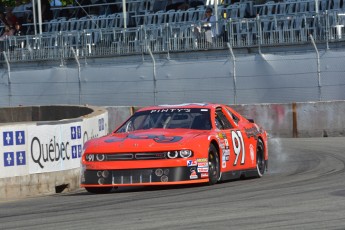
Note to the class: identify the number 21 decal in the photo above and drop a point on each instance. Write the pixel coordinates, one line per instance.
(238, 144)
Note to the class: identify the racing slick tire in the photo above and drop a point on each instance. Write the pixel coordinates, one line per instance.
(260, 159)
(98, 190)
(213, 165)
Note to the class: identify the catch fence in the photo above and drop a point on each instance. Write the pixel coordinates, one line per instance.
(268, 30)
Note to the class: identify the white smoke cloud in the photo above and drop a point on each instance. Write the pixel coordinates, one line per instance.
(276, 156)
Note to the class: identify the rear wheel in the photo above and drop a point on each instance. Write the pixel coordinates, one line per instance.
(213, 165)
(260, 159)
(98, 190)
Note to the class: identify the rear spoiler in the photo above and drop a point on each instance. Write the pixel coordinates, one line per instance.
(250, 120)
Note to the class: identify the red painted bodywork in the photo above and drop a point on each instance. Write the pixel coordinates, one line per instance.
(226, 141)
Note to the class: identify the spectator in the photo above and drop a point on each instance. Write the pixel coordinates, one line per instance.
(8, 32)
(20, 43)
(209, 25)
(18, 30)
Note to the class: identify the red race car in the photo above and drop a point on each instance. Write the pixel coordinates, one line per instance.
(175, 144)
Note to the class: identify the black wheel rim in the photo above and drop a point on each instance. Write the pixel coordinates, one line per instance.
(260, 159)
(213, 167)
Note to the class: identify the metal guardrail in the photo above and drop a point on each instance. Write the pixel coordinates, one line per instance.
(175, 37)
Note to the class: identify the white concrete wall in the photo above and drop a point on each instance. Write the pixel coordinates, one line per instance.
(38, 157)
(310, 119)
(185, 77)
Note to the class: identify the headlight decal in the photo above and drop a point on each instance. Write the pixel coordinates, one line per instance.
(186, 153)
(172, 154)
(100, 157)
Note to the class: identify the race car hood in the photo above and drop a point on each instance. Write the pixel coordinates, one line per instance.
(144, 140)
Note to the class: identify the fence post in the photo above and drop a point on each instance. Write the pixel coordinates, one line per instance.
(8, 79)
(259, 31)
(233, 71)
(79, 74)
(318, 66)
(327, 30)
(154, 75)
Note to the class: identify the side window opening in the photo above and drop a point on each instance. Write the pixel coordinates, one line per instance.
(233, 116)
(221, 121)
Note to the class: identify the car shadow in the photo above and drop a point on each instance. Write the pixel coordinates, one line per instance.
(135, 189)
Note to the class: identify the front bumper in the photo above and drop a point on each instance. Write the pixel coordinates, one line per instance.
(150, 176)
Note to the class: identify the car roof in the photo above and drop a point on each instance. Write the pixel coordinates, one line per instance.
(184, 105)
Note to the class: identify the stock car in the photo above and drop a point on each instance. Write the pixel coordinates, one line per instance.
(175, 144)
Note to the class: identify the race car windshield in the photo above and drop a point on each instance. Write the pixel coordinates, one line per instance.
(169, 118)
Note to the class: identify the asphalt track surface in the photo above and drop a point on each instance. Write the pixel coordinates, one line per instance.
(303, 189)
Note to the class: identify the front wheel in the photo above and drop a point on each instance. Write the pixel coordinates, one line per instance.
(260, 159)
(213, 165)
(98, 190)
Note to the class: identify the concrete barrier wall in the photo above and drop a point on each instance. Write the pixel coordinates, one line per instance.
(321, 119)
(277, 77)
(42, 113)
(313, 119)
(307, 119)
(43, 157)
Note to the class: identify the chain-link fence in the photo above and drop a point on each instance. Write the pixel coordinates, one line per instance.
(217, 76)
(268, 30)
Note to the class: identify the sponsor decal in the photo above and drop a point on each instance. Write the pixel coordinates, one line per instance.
(251, 150)
(193, 174)
(191, 163)
(226, 142)
(75, 132)
(101, 125)
(225, 157)
(156, 138)
(7, 138)
(199, 160)
(222, 135)
(203, 164)
(170, 110)
(20, 137)
(203, 175)
(80, 149)
(253, 132)
(15, 141)
(74, 152)
(21, 158)
(30, 149)
(226, 153)
(8, 159)
(202, 170)
(12, 159)
(49, 152)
